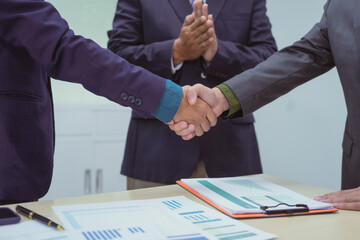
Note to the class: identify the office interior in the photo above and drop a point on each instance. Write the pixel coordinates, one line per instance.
(299, 134)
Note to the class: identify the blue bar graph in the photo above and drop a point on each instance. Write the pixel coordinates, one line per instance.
(197, 217)
(102, 234)
(172, 204)
(136, 230)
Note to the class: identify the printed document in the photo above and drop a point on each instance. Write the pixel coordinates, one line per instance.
(175, 218)
(240, 195)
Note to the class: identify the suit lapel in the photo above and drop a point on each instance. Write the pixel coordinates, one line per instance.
(182, 8)
(215, 7)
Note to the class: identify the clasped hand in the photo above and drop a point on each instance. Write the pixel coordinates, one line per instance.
(198, 111)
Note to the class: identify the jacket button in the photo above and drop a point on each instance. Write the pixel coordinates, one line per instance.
(131, 99)
(138, 102)
(203, 75)
(124, 96)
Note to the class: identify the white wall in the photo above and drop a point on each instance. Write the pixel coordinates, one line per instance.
(299, 134)
(91, 19)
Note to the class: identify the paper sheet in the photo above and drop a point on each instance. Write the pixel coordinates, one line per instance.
(176, 218)
(246, 194)
(31, 230)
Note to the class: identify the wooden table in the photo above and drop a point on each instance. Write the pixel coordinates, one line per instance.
(340, 225)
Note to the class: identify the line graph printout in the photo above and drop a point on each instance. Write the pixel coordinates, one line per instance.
(239, 195)
(173, 218)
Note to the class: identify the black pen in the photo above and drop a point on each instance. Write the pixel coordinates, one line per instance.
(32, 215)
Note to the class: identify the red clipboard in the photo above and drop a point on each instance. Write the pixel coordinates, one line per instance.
(252, 215)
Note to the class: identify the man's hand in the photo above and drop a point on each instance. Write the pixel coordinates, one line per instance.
(199, 113)
(213, 97)
(210, 52)
(195, 37)
(202, 10)
(345, 199)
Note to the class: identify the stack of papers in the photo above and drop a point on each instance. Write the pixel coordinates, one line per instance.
(245, 195)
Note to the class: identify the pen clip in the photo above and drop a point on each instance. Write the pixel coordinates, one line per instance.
(296, 208)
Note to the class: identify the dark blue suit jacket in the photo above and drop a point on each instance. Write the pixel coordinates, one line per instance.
(143, 33)
(35, 43)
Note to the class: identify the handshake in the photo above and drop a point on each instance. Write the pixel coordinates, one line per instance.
(200, 106)
(198, 111)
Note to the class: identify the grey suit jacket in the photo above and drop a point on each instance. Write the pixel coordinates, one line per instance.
(335, 41)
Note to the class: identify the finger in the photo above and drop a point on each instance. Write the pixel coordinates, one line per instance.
(205, 38)
(348, 206)
(183, 130)
(187, 131)
(171, 122)
(197, 5)
(189, 136)
(204, 110)
(351, 195)
(199, 23)
(206, 94)
(205, 10)
(198, 130)
(210, 17)
(211, 117)
(205, 125)
(202, 29)
(178, 127)
(354, 191)
(189, 19)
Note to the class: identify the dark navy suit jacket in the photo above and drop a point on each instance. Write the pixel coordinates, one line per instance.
(35, 43)
(143, 33)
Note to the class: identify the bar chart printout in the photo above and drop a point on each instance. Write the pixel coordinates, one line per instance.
(174, 218)
(247, 194)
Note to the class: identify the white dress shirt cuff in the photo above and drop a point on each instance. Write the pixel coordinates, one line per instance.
(175, 68)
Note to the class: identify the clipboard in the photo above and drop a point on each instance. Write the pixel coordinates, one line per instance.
(268, 211)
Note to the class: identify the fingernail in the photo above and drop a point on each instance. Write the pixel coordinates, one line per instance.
(182, 125)
(192, 100)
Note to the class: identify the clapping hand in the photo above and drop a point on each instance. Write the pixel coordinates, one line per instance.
(201, 10)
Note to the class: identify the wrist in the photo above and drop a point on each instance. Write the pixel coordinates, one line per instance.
(221, 99)
(176, 53)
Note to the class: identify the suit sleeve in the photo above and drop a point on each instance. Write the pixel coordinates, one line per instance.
(285, 70)
(37, 28)
(127, 40)
(233, 57)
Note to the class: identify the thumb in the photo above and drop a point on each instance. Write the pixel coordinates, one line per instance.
(191, 95)
(206, 94)
(189, 20)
